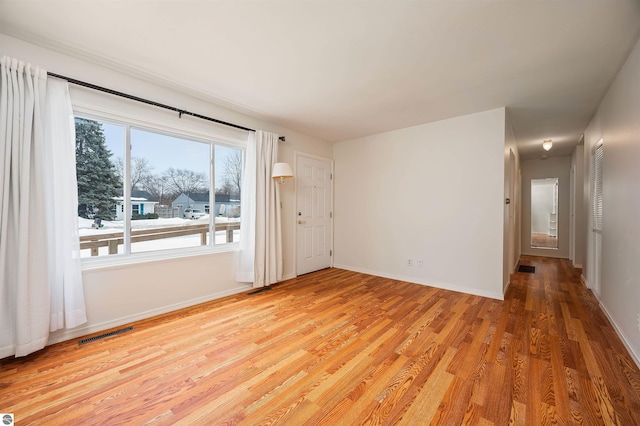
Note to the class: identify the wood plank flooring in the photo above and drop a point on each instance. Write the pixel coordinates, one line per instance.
(343, 348)
(543, 241)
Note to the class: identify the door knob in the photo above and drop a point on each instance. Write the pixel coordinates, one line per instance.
(301, 222)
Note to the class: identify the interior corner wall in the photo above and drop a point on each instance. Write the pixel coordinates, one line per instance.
(554, 167)
(116, 295)
(617, 123)
(511, 222)
(430, 194)
(579, 242)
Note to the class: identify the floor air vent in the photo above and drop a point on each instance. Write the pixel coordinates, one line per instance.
(527, 268)
(103, 336)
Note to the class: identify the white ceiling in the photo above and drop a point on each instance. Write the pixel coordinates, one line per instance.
(343, 69)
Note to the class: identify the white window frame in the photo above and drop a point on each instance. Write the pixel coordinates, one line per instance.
(200, 131)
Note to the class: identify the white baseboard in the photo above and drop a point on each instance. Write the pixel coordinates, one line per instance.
(62, 335)
(577, 265)
(634, 354)
(507, 287)
(414, 280)
(514, 268)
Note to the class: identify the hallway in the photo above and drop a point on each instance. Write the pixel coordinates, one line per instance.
(577, 367)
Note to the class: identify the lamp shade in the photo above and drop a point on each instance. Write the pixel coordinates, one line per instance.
(282, 171)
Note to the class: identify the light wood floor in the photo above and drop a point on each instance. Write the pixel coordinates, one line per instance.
(342, 348)
(543, 241)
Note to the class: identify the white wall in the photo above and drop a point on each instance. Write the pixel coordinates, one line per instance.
(511, 224)
(431, 193)
(554, 167)
(577, 165)
(617, 122)
(120, 294)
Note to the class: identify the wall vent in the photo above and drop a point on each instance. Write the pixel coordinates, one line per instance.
(105, 335)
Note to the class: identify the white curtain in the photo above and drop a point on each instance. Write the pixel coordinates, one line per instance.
(67, 291)
(260, 257)
(40, 281)
(246, 253)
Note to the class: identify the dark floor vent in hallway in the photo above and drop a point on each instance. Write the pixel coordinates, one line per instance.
(527, 268)
(102, 336)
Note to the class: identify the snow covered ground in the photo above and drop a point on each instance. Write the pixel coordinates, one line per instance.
(84, 228)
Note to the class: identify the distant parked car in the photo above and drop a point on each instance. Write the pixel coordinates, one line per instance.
(193, 214)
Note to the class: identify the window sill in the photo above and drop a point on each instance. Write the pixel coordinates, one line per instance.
(116, 261)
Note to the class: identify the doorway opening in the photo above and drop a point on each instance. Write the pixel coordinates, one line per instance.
(544, 213)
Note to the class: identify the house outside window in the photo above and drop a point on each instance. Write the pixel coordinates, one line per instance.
(160, 176)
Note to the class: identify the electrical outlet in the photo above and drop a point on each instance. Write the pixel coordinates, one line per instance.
(409, 262)
(420, 263)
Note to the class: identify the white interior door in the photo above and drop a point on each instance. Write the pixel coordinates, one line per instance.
(313, 214)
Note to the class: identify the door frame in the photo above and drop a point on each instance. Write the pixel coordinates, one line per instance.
(511, 226)
(572, 213)
(296, 156)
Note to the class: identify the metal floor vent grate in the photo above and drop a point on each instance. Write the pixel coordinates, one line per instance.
(527, 269)
(105, 335)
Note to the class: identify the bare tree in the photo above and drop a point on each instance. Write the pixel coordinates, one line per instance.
(187, 181)
(232, 173)
(141, 172)
(158, 187)
(225, 189)
(119, 166)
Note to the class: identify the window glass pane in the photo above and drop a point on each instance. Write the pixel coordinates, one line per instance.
(169, 181)
(171, 205)
(228, 182)
(98, 147)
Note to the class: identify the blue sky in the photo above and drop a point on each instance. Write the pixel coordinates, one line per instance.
(164, 151)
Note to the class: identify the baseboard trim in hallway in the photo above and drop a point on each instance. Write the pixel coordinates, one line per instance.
(634, 355)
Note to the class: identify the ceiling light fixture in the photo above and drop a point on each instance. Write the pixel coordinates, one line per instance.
(547, 144)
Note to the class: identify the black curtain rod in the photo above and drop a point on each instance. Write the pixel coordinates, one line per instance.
(180, 112)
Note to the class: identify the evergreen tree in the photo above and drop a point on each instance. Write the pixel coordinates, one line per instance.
(98, 180)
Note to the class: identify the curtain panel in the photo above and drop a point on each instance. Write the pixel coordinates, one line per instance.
(40, 278)
(260, 257)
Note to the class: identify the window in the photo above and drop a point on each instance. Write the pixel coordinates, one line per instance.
(164, 180)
